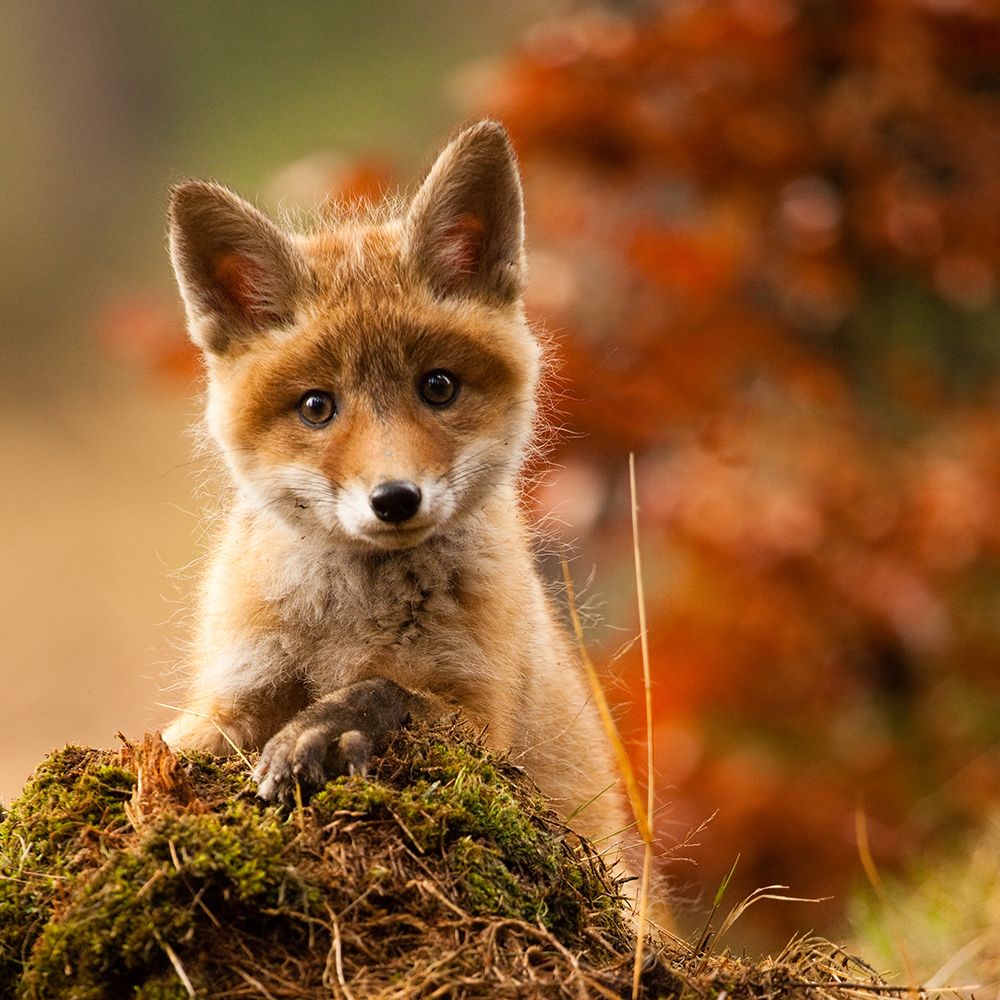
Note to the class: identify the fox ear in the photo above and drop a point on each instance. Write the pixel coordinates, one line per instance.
(238, 273)
(465, 226)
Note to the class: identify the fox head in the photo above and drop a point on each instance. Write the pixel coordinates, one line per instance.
(373, 380)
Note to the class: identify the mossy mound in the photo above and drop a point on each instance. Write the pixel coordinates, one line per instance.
(148, 875)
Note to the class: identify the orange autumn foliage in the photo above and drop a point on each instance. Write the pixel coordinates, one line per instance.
(768, 237)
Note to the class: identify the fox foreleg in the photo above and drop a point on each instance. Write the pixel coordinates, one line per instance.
(335, 735)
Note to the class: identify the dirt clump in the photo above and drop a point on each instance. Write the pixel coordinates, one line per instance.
(150, 875)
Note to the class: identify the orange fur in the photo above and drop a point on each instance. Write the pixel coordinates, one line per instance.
(307, 590)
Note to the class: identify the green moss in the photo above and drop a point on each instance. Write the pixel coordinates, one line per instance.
(72, 791)
(165, 987)
(71, 808)
(216, 777)
(459, 801)
(449, 792)
(487, 883)
(493, 824)
(183, 871)
(356, 796)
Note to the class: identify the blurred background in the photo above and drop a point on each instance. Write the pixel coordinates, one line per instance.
(765, 235)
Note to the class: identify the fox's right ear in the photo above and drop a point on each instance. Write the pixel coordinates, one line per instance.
(238, 273)
(465, 226)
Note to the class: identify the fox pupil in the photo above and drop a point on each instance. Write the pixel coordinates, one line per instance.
(438, 387)
(317, 408)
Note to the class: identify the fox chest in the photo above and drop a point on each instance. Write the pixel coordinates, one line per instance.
(412, 624)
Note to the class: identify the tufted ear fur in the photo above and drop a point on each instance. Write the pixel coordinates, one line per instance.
(238, 273)
(465, 226)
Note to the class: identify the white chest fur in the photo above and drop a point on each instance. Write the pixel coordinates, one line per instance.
(343, 616)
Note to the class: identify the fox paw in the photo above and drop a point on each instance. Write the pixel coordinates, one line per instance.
(335, 735)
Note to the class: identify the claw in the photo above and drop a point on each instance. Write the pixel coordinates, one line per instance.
(267, 790)
(354, 751)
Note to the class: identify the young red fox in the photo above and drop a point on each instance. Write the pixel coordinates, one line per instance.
(372, 388)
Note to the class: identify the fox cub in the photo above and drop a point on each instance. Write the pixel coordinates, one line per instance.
(371, 387)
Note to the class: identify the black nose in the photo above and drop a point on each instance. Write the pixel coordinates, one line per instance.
(395, 501)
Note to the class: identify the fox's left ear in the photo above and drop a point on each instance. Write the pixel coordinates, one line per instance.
(465, 226)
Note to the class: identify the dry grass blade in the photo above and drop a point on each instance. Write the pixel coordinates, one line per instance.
(198, 715)
(617, 746)
(337, 954)
(647, 829)
(875, 880)
(176, 963)
(256, 984)
(757, 896)
(703, 938)
(956, 961)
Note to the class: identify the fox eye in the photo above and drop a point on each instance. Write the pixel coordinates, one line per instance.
(316, 408)
(439, 388)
